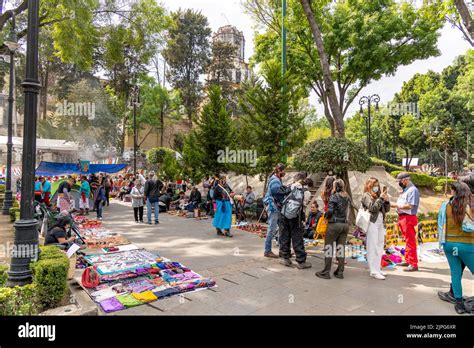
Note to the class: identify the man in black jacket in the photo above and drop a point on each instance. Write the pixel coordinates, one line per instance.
(152, 191)
(194, 199)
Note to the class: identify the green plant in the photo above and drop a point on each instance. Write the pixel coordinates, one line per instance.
(421, 216)
(418, 179)
(50, 276)
(438, 189)
(14, 212)
(432, 215)
(3, 275)
(389, 167)
(20, 300)
(441, 181)
(2, 188)
(391, 218)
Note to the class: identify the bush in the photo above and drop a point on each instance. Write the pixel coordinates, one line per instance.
(2, 188)
(20, 300)
(438, 189)
(14, 213)
(389, 167)
(3, 275)
(441, 181)
(419, 179)
(50, 276)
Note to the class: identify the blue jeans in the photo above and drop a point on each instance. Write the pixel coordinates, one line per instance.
(148, 210)
(273, 218)
(99, 209)
(457, 253)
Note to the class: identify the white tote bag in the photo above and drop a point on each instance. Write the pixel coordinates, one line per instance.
(363, 219)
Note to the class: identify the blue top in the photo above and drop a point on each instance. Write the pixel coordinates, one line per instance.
(47, 186)
(85, 187)
(38, 186)
(412, 197)
(275, 193)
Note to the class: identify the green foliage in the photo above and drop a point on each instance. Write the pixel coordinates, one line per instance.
(438, 189)
(14, 213)
(50, 276)
(441, 181)
(169, 167)
(332, 154)
(388, 166)
(2, 188)
(3, 274)
(419, 179)
(20, 300)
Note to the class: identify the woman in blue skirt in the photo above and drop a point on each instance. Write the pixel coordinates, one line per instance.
(223, 215)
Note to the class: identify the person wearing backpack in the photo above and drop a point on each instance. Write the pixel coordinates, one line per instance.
(273, 199)
(338, 228)
(456, 236)
(292, 217)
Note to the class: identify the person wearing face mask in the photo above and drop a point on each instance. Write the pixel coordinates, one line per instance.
(378, 204)
(407, 207)
(274, 196)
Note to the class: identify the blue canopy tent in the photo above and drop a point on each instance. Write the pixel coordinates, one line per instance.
(59, 169)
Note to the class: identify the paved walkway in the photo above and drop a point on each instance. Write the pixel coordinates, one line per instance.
(251, 284)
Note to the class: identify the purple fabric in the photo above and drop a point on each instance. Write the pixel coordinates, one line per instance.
(111, 305)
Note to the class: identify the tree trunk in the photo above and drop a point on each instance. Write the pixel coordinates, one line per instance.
(465, 16)
(345, 177)
(330, 91)
(162, 121)
(45, 92)
(446, 171)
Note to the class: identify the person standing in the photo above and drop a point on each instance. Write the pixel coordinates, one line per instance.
(378, 204)
(152, 191)
(338, 228)
(458, 244)
(407, 208)
(274, 196)
(223, 216)
(108, 185)
(327, 191)
(85, 193)
(64, 198)
(292, 227)
(137, 201)
(99, 200)
(46, 191)
(38, 190)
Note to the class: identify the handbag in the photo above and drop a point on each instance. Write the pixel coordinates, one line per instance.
(467, 223)
(363, 219)
(322, 226)
(90, 277)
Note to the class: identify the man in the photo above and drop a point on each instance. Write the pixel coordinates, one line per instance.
(274, 196)
(194, 199)
(46, 191)
(249, 197)
(152, 191)
(85, 193)
(407, 207)
(312, 221)
(108, 187)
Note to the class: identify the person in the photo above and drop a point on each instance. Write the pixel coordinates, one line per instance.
(377, 203)
(38, 190)
(137, 201)
(338, 228)
(291, 228)
(125, 189)
(180, 201)
(99, 199)
(108, 186)
(46, 184)
(64, 198)
(249, 197)
(151, 192)
(312, 220)
(327, 191)
(407, 208)
(223, 215)
(164, 202)
(458, 245)
(274, 196)
(58, 233)
(194, 199)
(85, 193)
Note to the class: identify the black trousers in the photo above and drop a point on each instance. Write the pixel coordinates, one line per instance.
(107, 192)
(337, 232)
(291, 232)
(138, 211)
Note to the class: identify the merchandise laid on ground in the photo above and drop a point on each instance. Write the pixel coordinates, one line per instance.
(129, 276)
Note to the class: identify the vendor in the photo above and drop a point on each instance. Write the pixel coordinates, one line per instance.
(58, 233)
(194, 199)
(180, 202)
(312, 221)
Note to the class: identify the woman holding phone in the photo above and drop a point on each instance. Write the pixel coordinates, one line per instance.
(378, 204)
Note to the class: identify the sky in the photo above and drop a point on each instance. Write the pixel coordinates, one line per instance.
(223, 12)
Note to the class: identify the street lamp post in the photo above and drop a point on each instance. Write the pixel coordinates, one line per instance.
(12, 44)
(374, 98)
(135, 102)
(26, 229)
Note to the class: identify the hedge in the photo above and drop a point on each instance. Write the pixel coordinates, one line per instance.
(441, 181)
(389, 167)
(2, 188)
(14, 214)
(419, 179)
(50, 276)
(3, 275)
(20, 300)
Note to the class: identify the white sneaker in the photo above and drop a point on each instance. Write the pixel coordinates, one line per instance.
(377, 276)
(383, 273)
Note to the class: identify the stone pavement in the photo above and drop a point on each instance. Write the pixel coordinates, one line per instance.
(248, 283)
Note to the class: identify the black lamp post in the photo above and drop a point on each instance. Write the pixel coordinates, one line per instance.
(369, 100)
(134, 103)
(12, 44)
(26, 229)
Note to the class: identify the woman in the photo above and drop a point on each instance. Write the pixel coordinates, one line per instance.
(378, 204)
(327, 191)
(58, 233)
(458, 245)
(223, 215)
(137, 201)
(338, 228)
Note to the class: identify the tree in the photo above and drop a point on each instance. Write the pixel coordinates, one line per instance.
(169, 168)
(272, 110)
(411, 137)
(458, 15)
(214, 132)
(350, 44)
(187, 54)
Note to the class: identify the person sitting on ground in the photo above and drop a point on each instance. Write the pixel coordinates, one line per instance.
(180, 201)
(312, 220)
(125, 190)
(194, 199)
(249, 197)
(58, 233)
(164, 202)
